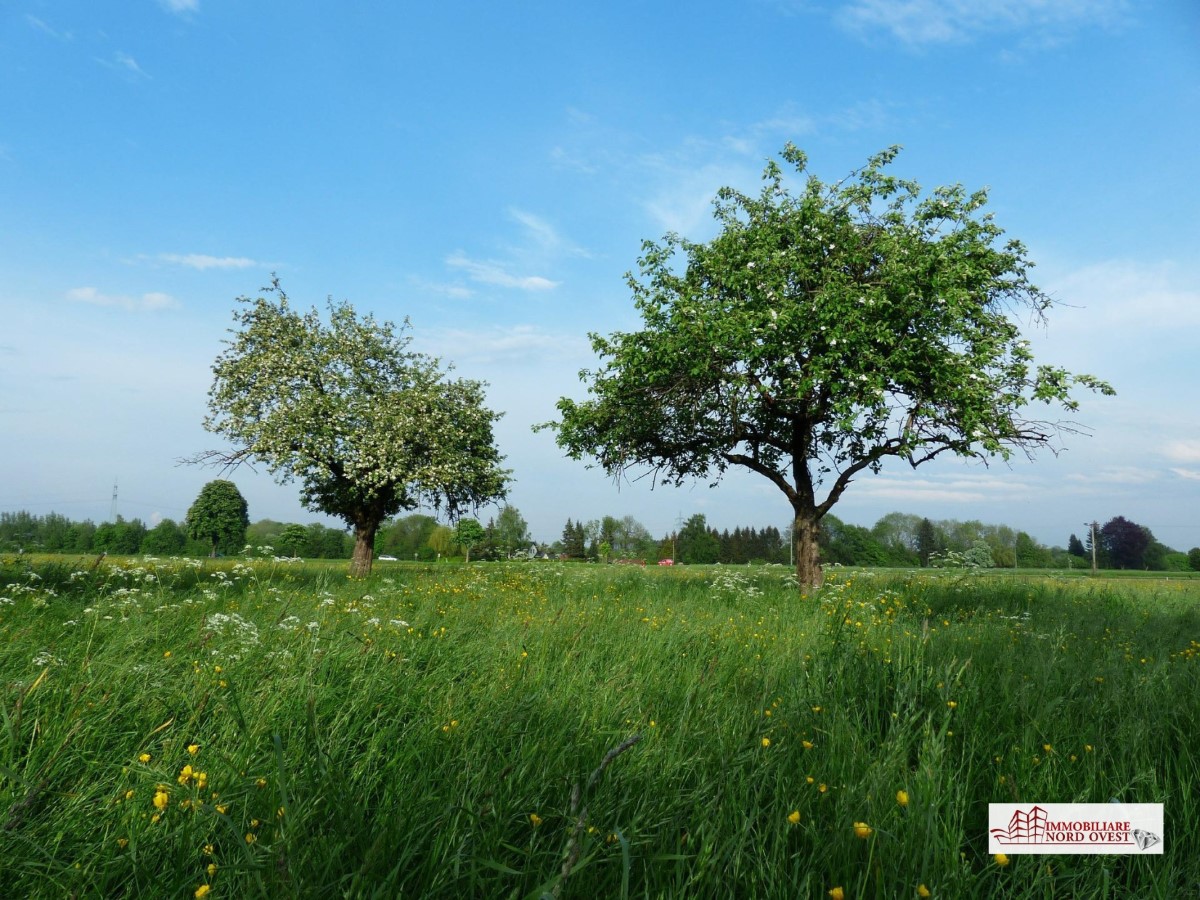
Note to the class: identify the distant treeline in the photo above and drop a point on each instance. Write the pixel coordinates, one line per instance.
(897, 539)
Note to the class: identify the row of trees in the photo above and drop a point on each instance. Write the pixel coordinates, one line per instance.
(897, 539)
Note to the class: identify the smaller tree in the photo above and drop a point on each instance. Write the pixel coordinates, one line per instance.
(293, 540)
(512, 531)
(164, 539)
(219, 517)
(1075, 547)
(366, 425)
(468, 533)
(1193, 557)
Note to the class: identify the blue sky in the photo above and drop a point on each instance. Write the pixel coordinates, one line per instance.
(490, 170)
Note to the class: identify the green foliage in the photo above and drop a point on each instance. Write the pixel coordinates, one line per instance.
(292, 541)
(219, 517)
(167, 538)
(121, 537)
(367, 426)
(820, 333)
(696, 544)
(468, 533)
(511, 532)
(1193, 556)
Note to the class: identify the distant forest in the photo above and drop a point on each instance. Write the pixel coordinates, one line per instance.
(897, 539)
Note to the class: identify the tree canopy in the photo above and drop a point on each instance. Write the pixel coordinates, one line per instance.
(219, 517)
(820, 333)
(366, 425)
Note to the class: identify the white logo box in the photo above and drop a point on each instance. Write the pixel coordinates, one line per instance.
(1134, 828)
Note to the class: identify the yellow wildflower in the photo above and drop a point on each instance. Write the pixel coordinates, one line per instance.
(144, 758)
(794, 817)
(1001, 859)
(535, 819)
(193, 749)
(211, 869)
(185, 775)
(251, 837)
(766, 742)
(862, 830)
(807, 745)
(953, 704)
(902, 798)
(837, 893)
(161, 799)
(202, 891)
(923, 891)
(122, 843)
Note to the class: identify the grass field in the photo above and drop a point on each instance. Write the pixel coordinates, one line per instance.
(264, 729)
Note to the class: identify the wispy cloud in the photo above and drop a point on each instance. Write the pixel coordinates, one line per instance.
(202, 261)
(1129, 475)
(1189, 474)
(149, 302)
(511, 343)
(180, 7)
(961, 489)
(930, 22)
(548, 240)
(495, 273)
(1183, 451)
(123, 62)
(35, 22)
(453, 291)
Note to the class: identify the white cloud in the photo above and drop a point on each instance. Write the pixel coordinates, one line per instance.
(41, 26)
(453, 291)
(1190, 474)
(960, 489)
(1115, 475)
(180, 7)
(149, 302)
(1131, 294)
(490, 272)
(203, 261)
(1183, 451)
(127, 63)
(922, 22)
(546, 236)
(504, 343)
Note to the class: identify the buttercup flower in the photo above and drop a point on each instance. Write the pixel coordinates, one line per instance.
(161, 799)
(923, 891)
(535, 819)
(837, 893)
(1001, 859)
(794, 817)
(862, 830)
(902, 798)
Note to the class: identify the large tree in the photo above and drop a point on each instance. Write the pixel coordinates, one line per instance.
(818, 334)
(1125, 543)
(219, 517)
(366, 425)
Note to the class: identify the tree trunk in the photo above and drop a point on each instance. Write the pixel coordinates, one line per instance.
(808, 552)
(364, 548)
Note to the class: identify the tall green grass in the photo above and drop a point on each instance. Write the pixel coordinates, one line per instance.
(527, 730)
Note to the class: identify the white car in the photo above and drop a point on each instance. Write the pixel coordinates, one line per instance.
(387, 559)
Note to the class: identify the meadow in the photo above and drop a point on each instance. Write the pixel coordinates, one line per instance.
(263, 728)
